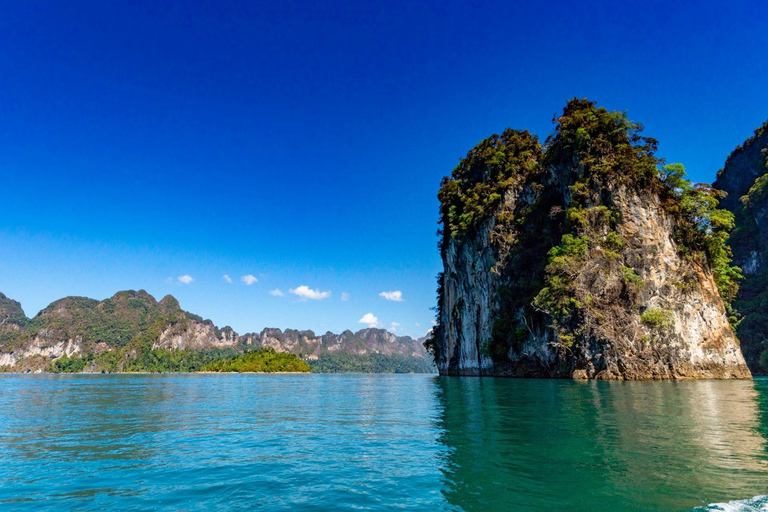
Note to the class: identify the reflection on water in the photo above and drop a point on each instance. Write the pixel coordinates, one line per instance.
(563, 445)
(379, 442)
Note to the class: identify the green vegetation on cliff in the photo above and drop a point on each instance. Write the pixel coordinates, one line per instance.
(478, 184)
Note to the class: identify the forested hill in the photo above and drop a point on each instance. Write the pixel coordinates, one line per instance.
(132, 331)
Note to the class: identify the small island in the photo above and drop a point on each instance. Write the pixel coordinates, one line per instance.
(264, 360)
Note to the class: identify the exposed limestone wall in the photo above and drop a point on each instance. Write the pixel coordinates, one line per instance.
(40, 350)
(699, 343)
(195, 336)
(470, 304)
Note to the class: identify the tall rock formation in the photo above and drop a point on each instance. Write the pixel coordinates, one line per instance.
(582, 259)
(745, 179)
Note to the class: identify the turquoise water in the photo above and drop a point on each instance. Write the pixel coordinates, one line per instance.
(379, 442)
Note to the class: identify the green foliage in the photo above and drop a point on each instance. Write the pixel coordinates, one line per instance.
(565, 257)
(757, 193)
(115, 321)
(479, 182)
(750, 308)
(67, 364)
(342, 362)
(629, 277)
(613, 243)
(701, 227)
(657, 318)
(584, 218)
(264, 360)
(602, 144)
(9, 339)
(170, 361)
(565, 260)
(674, 178)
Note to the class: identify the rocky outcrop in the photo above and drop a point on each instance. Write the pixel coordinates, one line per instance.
(470, 295)
(195, 335)
(745, 179)
(577, 260)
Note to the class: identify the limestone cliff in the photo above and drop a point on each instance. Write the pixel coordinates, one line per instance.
(581, 258)
(745, 179)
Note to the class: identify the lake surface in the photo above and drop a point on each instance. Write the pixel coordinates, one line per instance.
(379, 442)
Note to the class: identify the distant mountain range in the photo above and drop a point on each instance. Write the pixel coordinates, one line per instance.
(131, 331)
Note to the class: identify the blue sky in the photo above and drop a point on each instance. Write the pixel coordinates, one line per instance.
(302, 143)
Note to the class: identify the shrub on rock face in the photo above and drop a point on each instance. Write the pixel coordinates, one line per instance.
(657, 318)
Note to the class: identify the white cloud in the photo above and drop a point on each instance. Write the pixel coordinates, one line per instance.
(226, 278)
(396, 295)
(344, 296)
(186, 279)
(393, 326)
(276, 292)
(305, 292)
(370, 320)
(417, 324)
(249, 279)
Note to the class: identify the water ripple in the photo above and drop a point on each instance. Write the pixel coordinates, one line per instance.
(379, 442)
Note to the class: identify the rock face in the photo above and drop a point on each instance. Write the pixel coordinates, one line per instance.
(576, 260)
(745, 179)
(113, 333)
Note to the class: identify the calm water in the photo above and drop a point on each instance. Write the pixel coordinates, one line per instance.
(379, 442)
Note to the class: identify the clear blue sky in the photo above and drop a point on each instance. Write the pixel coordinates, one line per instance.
(303, 142)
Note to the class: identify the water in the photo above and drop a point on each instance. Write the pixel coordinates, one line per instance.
(379, 442)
